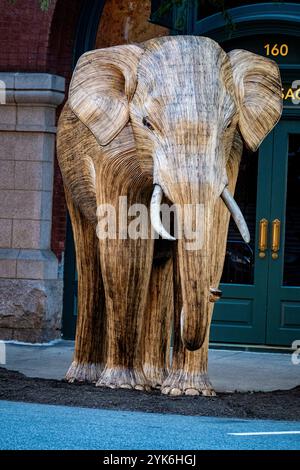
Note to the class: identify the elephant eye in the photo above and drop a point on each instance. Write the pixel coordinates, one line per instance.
(228, 124)
(148, 124)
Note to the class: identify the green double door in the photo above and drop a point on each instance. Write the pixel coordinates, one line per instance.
(261, 281)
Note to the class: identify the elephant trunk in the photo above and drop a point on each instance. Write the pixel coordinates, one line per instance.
(195, 285)
(195, 259)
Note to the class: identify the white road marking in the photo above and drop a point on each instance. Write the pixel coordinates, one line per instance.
(271, 433)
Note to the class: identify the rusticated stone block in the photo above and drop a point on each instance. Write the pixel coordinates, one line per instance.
(28, 335)
(30, 234)
(7, 174)
(8, 262)
(5, 233)
(33, 175)
(37, 264)
(30, 310)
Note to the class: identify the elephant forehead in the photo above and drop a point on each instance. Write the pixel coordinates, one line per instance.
(177, 61)
(198, 81)
(178, 78)
(184, 47)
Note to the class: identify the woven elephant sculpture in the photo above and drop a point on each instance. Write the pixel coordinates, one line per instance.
(162, 122)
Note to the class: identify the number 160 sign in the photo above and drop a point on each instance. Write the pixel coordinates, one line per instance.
(275, 50)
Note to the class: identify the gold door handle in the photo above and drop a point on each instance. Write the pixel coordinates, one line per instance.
(275, 238)
(263, 237)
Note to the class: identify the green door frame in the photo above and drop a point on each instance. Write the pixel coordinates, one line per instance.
(250, 20)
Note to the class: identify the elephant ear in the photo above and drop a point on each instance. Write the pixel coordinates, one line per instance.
(102, 83)
(258, 89)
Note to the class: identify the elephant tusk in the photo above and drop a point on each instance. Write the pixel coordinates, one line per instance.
(155, 213)
(236, 214)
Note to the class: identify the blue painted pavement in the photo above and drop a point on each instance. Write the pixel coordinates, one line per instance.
(32, 426)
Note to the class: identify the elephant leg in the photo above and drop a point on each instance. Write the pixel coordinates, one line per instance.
(158, 316)
(90, 340)
(188, 373)
(126, 268)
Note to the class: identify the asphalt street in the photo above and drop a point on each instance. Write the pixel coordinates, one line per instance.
(46, 427)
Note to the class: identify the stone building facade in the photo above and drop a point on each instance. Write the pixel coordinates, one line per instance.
(36, 61)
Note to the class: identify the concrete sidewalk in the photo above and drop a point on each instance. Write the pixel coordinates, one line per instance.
(228, 370)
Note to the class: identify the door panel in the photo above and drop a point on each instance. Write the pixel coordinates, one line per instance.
(283, 313)
(291, 270)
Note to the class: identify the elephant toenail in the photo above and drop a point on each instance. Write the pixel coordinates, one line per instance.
(191, 392)
(175, 392)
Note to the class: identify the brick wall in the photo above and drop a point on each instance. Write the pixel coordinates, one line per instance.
(37, 41)
(24, 34)
(59, 61)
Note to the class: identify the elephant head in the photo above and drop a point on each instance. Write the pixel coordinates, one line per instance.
(187, 102)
